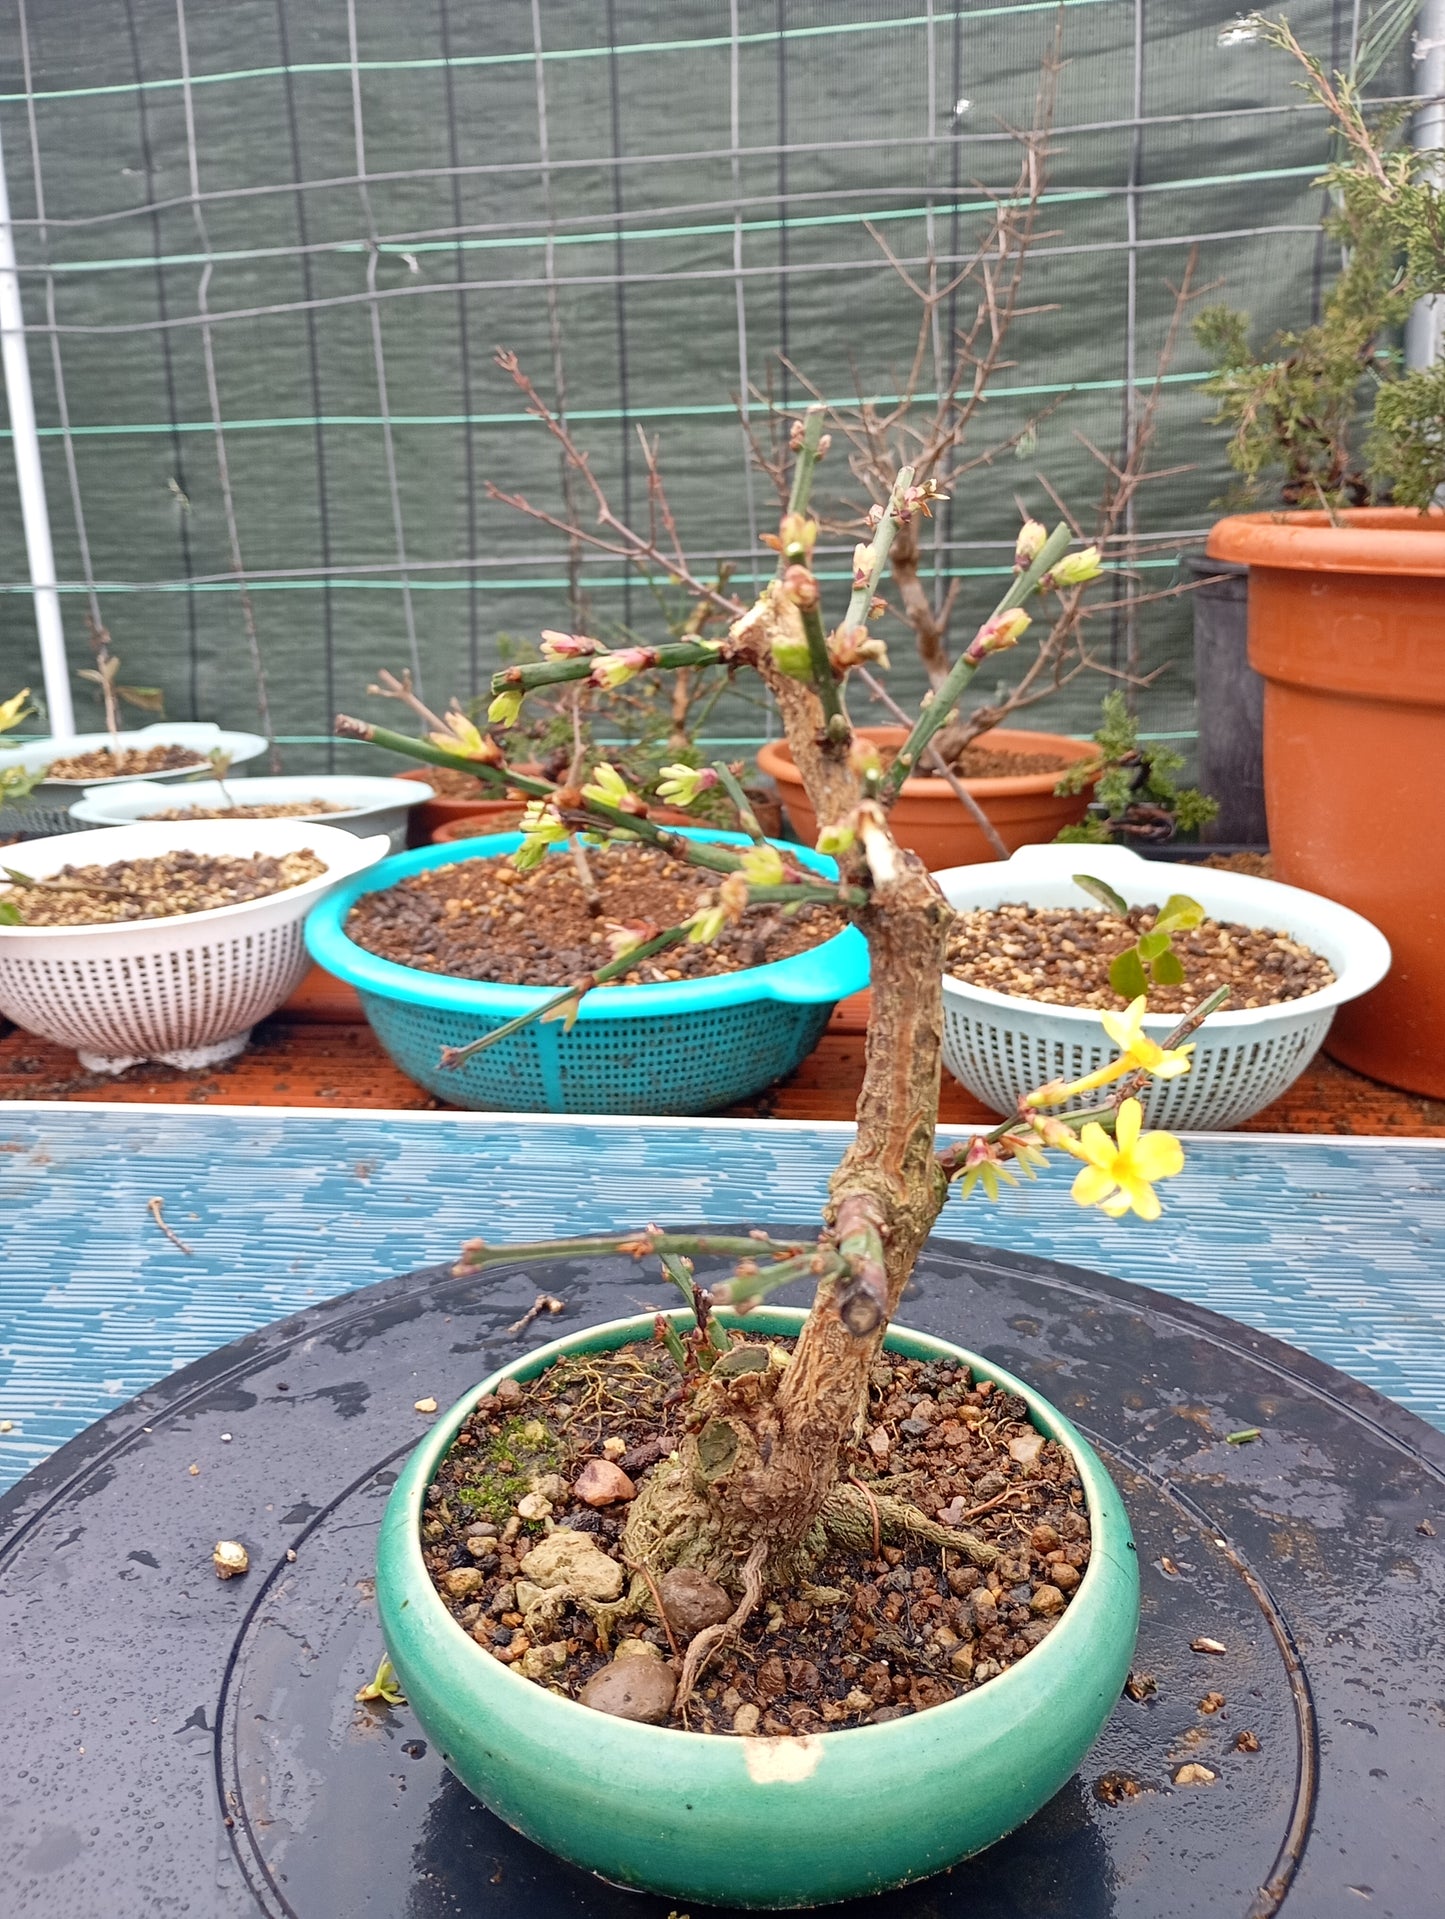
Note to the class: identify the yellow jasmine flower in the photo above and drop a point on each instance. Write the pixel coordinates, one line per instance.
(1138, 1054)
(1126, 1029)
(1120, 1174)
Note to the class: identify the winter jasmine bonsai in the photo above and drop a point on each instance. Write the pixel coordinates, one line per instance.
(753, 1497)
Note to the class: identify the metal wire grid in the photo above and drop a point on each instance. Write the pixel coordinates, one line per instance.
(855, 114)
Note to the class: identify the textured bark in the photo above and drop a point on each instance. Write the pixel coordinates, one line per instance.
(831, 784)
(767, 1460)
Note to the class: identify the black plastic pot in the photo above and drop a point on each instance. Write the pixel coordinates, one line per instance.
(1230, 698)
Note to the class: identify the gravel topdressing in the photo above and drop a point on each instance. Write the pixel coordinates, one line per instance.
(103, 764)
(1061, 955)
(541, 1477)
(278, 810)
(480, 919)
(164, 887)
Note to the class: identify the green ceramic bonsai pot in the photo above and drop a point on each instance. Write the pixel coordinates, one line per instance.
(761, 1822)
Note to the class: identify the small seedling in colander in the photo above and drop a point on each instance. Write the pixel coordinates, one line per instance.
(1151, 959)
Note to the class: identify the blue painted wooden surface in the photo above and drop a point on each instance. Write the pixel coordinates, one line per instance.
(1336, 1245)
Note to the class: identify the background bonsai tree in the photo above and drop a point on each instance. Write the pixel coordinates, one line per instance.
(1136, 797)
(1329, 412)
(754, 1496)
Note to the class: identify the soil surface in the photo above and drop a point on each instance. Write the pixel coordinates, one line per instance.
(983, 763)
(879, 1635)
(988, 763)
(290, 810)
(1062, 954)
(481, 919)
(161, 888)
(103, 764)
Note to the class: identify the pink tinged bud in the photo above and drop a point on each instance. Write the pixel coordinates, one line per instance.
(567, 646)
(625, 937)
(862, 564)
(998, 634)
(800, 587)
(616, 669)
(732, 895)
(874, 515)
(1030, 543)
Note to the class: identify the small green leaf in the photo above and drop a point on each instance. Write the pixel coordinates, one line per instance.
(1151, 945)
(1179, 914)
(1243, 1436)
(10, 914)
(1168, 969)
(1101, 891)
(1126, 975)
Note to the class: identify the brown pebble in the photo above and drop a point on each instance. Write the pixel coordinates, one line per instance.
(463, 1581)
(1211, 1702)
(1046, 1600)
(1246, 1742)
(601, 1483)
(1044, 1539)
(638, 1689)
(509, 1389)
(692, 1601)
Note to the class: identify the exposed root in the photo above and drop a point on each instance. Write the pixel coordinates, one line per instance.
(850, 1513)
(703, 1645)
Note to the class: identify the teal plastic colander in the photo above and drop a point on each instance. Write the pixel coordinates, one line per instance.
(683, 1046)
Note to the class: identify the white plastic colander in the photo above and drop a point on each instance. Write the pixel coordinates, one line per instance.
(185, 990)
(1001, 1047)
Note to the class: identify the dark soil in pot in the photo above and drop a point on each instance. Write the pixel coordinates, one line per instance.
(542, 1476)
(1061, 955)
(104, 764)
(481, 919)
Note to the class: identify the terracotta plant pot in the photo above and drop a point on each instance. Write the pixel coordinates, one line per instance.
(929, 816)
(761, 1822)
(502, 816)
(1347, 626)
(442, 811)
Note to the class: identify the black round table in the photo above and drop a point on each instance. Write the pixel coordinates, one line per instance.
(176, 1744)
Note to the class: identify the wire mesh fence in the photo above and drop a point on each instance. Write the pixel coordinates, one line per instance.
(267, 251)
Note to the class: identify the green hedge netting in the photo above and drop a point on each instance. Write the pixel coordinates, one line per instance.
(833, 129)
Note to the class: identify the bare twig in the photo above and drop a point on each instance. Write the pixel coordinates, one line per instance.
(155, 1207)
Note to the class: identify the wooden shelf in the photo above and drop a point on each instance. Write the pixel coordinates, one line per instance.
(318, 1051)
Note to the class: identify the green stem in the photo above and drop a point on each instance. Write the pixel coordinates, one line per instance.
(555, 672)
(878, 551)
(938, 709)
(824, 682)
(499, 777)
(746, 1289)
(732, 786)
(806, 466)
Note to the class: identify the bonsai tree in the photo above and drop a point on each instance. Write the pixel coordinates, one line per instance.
(754, 1496)
(1328, 410)
(1136, 797)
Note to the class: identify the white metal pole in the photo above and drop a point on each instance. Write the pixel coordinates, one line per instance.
(31, 479)
(1425, 329)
